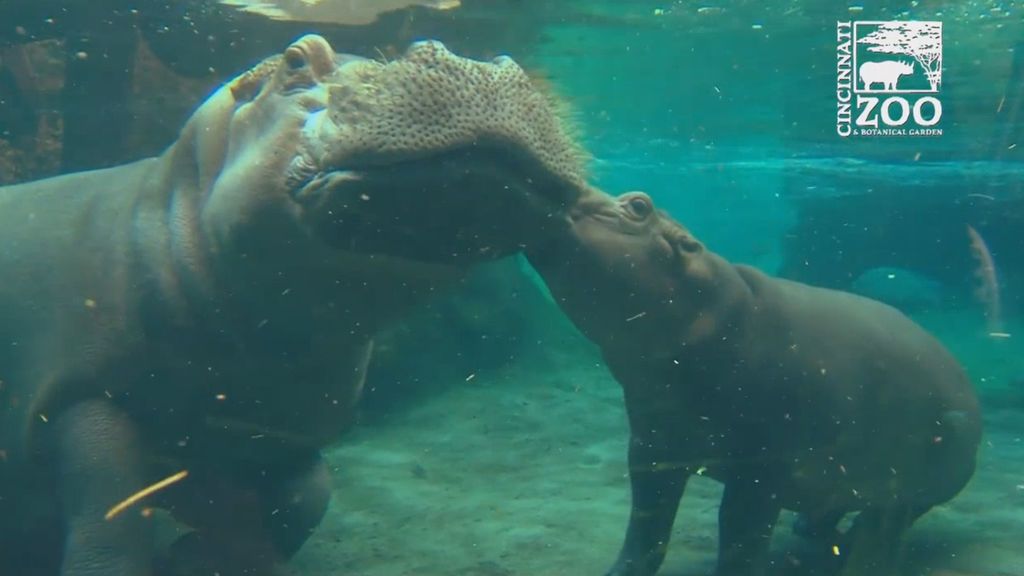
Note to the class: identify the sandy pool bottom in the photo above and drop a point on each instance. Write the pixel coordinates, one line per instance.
(520, 473)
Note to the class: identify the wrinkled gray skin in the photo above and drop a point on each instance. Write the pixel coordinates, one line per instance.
(794, 397)
(213, 309)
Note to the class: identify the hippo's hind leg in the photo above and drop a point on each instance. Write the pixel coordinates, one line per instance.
(99, 463)
(819, 535)
(818, 526)
(875, 541)
(746, 519)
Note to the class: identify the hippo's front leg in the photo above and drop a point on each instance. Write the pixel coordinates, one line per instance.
(100, 464)
(249, 522)
(295, 504)
(746, 518)
(657, 479)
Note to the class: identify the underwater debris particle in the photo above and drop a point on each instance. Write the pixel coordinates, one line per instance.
(636, 316)
(43, 418)
(470, 377)
(89, 303)
(835, 550)
(134, 498)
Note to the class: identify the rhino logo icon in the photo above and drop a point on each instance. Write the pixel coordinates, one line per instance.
(887, 72)
(917, 47)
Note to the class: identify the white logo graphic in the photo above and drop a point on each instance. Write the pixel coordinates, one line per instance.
(888, 73)
(876, 60)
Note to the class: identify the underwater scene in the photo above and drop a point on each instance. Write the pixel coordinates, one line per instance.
(511, 288)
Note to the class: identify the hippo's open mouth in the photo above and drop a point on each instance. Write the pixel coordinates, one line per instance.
(466, 204)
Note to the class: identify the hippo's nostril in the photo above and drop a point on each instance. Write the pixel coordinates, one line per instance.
(294, 57)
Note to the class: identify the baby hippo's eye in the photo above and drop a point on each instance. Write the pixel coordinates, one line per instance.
(640, 206)
(294, 58)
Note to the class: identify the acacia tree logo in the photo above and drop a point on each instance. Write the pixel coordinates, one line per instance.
(921, 41)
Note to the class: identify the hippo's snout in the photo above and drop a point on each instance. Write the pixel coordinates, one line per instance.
(382, 156)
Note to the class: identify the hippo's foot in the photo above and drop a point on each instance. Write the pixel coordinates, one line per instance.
(645, 565)
(248, 523)
(198, 553)
(875, 541)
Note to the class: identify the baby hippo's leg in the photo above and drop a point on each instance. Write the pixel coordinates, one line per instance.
(746, 518)
(658, 480)
(876, 539)
(821, 539)
(820, 526)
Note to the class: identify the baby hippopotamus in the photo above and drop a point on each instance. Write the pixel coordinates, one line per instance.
(796, 397)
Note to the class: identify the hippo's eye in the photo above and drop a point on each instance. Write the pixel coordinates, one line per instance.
(294, 58)
(640, 206)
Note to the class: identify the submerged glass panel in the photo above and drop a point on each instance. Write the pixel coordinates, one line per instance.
(495, 287)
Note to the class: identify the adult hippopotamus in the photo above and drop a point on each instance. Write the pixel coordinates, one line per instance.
(792, 396)
(210, 311)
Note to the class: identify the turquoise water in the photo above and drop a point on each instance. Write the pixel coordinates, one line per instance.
(492, 438)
